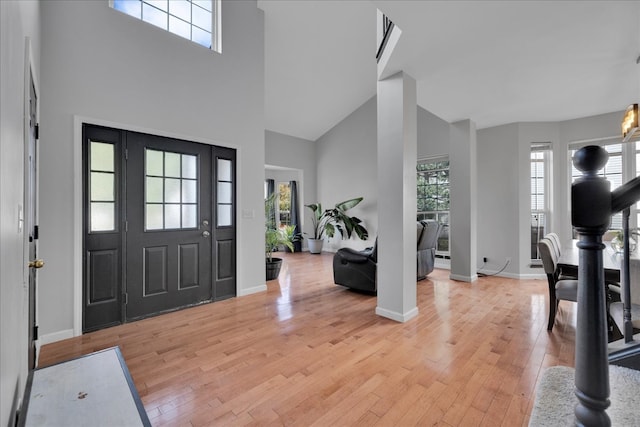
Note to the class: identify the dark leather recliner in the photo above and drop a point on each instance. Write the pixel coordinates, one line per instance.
(427, 247)
(357, 269)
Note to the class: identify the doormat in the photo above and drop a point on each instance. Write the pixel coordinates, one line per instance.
(555, 399)
(95, 390)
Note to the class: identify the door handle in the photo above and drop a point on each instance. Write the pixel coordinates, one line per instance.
(205, 233)
(38, 263)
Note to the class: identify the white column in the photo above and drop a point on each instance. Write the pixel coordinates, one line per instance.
(397, 157)
(464, 204)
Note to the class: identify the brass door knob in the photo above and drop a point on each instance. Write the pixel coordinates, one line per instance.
(36, 264)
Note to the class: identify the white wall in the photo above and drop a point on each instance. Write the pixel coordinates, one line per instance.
(102, 64)
(298, 157)
(18, 19)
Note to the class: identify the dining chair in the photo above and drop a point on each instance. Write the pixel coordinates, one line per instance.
(559, 289)
(565, 273)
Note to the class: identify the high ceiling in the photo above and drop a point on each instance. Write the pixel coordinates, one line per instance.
(493, 62)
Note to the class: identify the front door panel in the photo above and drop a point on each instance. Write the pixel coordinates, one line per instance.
(169, 216)
(159, 225)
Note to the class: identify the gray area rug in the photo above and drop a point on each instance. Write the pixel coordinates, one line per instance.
(555, 399)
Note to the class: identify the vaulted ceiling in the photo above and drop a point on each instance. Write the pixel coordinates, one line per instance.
(494, 62)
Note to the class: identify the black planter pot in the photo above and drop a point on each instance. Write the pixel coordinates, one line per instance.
(273, 268)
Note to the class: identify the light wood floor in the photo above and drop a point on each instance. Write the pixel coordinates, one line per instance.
(308, 352)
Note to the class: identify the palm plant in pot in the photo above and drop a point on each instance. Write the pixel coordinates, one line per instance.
(273, 239)
(326, 223)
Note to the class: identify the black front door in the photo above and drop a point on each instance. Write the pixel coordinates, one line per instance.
(175, 203)
(169, 224)
(31, 221)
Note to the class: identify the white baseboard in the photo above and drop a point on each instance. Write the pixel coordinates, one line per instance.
(461, 278)
(253, 290)
(55, 336)
(398, 317)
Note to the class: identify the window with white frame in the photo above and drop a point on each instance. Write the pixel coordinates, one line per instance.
(195, 20)
(621, 166)
(433, 197)
(540, 197)
(284, 204)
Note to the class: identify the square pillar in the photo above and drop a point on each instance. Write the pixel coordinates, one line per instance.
(397, 158)
(464, 204)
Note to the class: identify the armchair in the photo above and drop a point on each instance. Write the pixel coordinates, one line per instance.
(427, 242)
(357, 269)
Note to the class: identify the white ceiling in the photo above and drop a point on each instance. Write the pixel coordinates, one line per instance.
(494, 62)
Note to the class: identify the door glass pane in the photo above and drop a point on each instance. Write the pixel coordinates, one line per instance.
(155, 160)
(189, 217)
(188, 191)
(171, 190)
(154, 190)
(102, 187)
(101, 157)
(224, 170)
(172, 164)
(102, 216)
(154, 217)
(172, 216)
(188, 166)
(224, 192)
(224, 215)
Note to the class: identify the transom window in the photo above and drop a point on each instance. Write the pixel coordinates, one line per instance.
(195, 20)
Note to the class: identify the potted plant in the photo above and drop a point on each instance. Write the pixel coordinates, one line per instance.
(326, 223)
(273, 239)
(292, 235)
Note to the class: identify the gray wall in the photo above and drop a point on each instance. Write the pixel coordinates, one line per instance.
(347, 162)
(498, 197)
(288, 157)
(18, 19)
(347, 168)
(504, 187)
(346, 153)
(100, 64)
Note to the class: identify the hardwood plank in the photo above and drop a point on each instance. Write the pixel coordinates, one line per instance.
(309, 352)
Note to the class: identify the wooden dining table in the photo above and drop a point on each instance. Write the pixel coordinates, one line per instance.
(611, 260)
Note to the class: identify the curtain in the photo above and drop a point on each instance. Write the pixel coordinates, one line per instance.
(295, 214)
(270, 211)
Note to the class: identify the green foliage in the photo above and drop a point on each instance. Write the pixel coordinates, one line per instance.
(274, 237)
(331, 221)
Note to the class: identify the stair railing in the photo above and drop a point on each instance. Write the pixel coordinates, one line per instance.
(592, 204)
